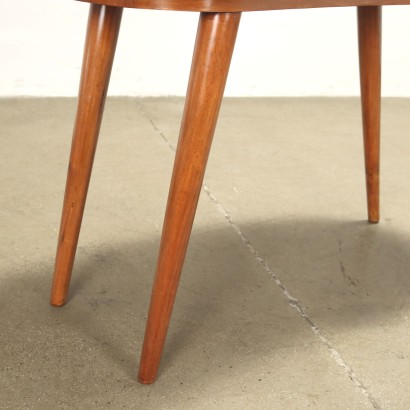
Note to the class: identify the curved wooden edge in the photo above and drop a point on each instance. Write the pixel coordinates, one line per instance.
(241, 5)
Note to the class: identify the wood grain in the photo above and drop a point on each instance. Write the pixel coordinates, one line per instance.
(102, 33)
(369, 34)
(241, 5)
(217, 30)
(213, 51)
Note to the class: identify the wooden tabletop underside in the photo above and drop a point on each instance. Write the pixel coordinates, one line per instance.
(241, 5)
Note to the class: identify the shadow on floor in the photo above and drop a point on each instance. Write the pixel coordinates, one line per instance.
(349, 274)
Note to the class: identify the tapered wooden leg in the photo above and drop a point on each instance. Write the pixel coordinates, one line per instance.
(369, 29)
(213, 50)
(102, 33)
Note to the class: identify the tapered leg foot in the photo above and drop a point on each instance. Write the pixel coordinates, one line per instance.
(369, 30)
(102, 33)
(213, 50)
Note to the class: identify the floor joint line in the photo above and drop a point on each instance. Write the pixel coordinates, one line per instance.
(293, 302)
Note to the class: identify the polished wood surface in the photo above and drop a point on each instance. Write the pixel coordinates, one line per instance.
(241, 5)
(219, 21)
(102, 33)
(369, 33)
(213, 51)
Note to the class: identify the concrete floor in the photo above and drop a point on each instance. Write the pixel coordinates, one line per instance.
(288, 299)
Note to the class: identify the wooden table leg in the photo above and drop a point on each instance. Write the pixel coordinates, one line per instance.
(369, 29)
(102, 33)
(213, 50)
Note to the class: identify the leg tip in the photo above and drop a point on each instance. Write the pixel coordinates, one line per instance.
(146, 377)
(57, 302)
(146, 380)
(373, 218)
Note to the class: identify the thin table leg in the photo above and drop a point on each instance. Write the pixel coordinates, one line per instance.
(369, 30)
(213, 50)
(102, 34)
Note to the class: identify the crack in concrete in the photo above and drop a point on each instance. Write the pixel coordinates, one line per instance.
(343, 267)
(154, 126)
(294, 302)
